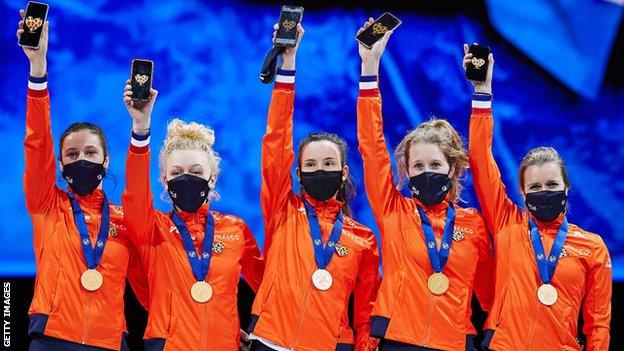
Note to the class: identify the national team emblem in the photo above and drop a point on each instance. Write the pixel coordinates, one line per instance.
(563, 253)
(342, 250)
(218, 247)
(458, 235)
(112, 232)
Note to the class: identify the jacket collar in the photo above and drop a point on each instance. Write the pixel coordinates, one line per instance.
(327, 209)
(91, 201)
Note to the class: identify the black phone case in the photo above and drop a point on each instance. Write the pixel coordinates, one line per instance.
(369, 36)
(477, 68)
(287, 31)
(141, 79)
(34, 19)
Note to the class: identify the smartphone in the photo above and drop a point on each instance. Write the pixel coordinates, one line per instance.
(141, 79)
(36, 15)
(287, 34)
(477, 68)
(369, 36)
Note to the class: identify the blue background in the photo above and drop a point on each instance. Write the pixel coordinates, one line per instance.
(207, 58)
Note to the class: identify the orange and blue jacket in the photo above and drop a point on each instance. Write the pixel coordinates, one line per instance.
(289, 311)
(405, 310)
(175, 320)
(518, 321)
(61, 308)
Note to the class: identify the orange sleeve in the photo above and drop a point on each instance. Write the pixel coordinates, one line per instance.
(497, 208)
(137, 200)
(364, 295)
(597, 301)
(252, 262)
(485, 275)
(40, 173)
(277, 152)
(378, 179)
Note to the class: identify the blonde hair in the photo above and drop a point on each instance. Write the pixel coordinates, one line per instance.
(190, 136)
(442, 134)
(539, 156)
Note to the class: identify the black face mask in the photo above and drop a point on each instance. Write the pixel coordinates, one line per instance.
(430, 188)
(546, 205)
(321, 185)
(83, 176)
(188, 192)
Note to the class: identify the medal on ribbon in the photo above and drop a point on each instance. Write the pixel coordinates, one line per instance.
(546, 293)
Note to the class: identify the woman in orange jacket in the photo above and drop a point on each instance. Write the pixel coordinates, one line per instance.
(435, 253)
(81, 248)
(548, 270)
(317, 255)
(193, 255)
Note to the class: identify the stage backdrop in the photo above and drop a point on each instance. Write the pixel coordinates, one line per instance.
(207, 57)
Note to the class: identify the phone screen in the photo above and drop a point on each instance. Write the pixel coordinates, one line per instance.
(369, 36)
(287, 31)
(478, 66)
(34, 19)
(141, 79)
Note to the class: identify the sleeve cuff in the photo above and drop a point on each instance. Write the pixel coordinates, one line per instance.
(285, 79)
(481, 101)
(38, 83)
(369, 86)
(139, 143)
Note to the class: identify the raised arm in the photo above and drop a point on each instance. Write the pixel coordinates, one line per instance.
(252, 262)
(497, 208)
(597, 300)
(40, 173)
(364, 295)
(378, 179)
(137, 197)
(277, 145)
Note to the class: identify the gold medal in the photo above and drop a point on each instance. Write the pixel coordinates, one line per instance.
(547, 294)
(91, 280)
(438, 283)
(201, 292)
(322, 279)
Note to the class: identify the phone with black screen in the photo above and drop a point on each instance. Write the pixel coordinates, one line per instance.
(373, 33)
(477, 68)
(141, 77)
(35, 17)
(287, 34)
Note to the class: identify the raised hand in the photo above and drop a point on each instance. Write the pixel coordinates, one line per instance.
(37, 57)
(480, 87)
(371, 57)
(288, 56)
(140, 111)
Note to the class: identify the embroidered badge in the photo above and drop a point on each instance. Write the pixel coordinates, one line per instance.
(342, 250)
(218, 247)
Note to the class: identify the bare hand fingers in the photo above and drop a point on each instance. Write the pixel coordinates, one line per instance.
(465, 49)
(22, 13)
(275, 26)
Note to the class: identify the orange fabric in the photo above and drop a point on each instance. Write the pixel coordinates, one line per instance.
(74, 314)
(582, 277)
(416, 316)
(292, 312)
(173, 314)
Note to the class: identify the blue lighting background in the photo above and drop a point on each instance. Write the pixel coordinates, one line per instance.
(207, 58)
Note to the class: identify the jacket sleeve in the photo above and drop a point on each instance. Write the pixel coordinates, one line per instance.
(378, 178)
(40, 173)
(597, 300)
(277, 152)
(137, 277)
(497, 208)
(485, 274)
(137, 200)
(364, 295)
(252, 262)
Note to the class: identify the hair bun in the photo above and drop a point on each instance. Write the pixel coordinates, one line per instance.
(178, 129)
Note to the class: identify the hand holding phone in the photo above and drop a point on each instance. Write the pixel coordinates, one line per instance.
(376, 30)
(290, 17)
(141, 76)
(477, 67)
(32, 24)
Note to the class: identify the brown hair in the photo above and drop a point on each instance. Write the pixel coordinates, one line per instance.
(441, 133)
(80, 126)
(539, 156)
(347, 191)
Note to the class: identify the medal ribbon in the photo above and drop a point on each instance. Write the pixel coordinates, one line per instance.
(200, 263)
(438, 258)
(92, 254)
(546, 265)
(323, 254)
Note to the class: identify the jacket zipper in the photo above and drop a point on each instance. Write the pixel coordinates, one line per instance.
(303, 312)
(206, 330)
(529, 344)
(87, 323)
(429, 316)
